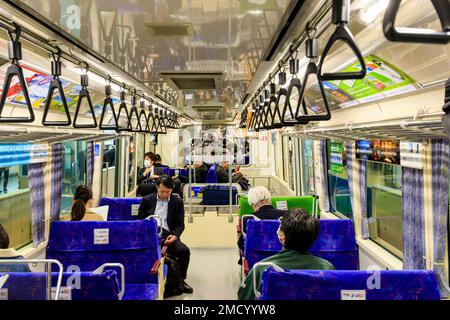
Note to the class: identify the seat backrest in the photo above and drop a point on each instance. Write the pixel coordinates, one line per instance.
(346, 285)
(33, 286)
(261, 240)
(211, 176)
(89, 244)
(219, 195)
(335, 243)
(306, 202)
(121, 209)
(166, 170)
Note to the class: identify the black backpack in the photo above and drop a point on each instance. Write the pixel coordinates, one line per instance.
(174, 281)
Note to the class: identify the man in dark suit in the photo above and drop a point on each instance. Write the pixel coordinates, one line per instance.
(171, 210)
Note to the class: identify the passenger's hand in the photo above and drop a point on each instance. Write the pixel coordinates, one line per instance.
(170, 239)
(147, 171)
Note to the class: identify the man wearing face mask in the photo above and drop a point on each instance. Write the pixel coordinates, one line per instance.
(146, 171)
(297, 233)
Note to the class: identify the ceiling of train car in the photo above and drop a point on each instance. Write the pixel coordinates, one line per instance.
(147, 37)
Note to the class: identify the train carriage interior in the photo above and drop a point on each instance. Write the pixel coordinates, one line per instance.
(224, 150)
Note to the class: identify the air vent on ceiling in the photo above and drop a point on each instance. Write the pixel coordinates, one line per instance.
(170, 29)
(193, 80)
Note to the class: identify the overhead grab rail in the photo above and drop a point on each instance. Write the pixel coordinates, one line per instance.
(340, 17)
(56, 84)
(84, 93)
(108, 102)
(311, 69)
(419, 35)
(123, 108)
(14, 69)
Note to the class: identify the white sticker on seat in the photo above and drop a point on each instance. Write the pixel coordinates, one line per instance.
(101, 236)
(353, 294)
(65, 293)
(282, 205)
(4, 294)
(135, 209)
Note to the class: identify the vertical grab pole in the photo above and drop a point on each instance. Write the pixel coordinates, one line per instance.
(230, 163)
(190, 220)
(49, 280)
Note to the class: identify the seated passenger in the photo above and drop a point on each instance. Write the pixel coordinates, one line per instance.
(145, 172)
(222, 173)
(297, 233)
(7, 253)
(201, 171)
(259, 198)
(82, 203)
(145, 180)
(171, 210)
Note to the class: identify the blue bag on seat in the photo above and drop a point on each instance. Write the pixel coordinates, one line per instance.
(349, 284)
(121, 209)
(89, 244)
(218, 195)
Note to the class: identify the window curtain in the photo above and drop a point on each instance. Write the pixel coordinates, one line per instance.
(57, 171)
(324, 168)
(349, 160)
(440, 176)
(37, 198)
(90, 162)
(363, 197)
(413, 219)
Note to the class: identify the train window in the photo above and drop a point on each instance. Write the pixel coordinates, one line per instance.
(307, 167)
(15, 208)
(140, 152)
(384, 205)
(338, 179)
(109, 176)
(74, 171)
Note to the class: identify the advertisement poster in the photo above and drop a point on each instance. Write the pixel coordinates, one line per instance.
(337, 157)
(387, 151)
(12, 154)
(382, 80)
(411, 154)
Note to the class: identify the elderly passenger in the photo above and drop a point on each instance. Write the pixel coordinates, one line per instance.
(259, 198)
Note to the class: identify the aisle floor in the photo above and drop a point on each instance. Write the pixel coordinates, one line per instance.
(214, 275)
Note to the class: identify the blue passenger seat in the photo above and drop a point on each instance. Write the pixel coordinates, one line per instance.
(33, 285)
(89, 244)
(335, 243)
(349, 285)
(121, 209)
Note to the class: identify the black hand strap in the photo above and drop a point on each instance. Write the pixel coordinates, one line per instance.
(108, 102)
(162, 127)
(150, 121)
(134, 113)
(311, 69)
(288, 107)
(84, 93)
(155, 128)
(15, 70)
(342, 33)
(56, 84)
(392, 33)
(123, 110)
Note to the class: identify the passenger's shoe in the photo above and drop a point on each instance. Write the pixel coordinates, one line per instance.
(187, 288)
